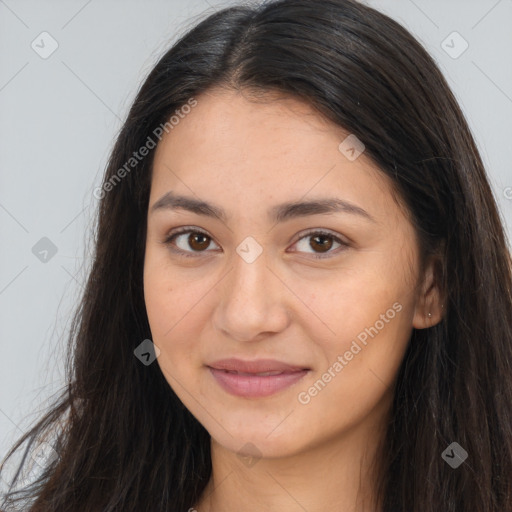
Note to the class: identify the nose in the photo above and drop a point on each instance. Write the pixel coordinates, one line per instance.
(252, 301)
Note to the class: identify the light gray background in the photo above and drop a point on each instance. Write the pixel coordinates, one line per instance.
(59, 117)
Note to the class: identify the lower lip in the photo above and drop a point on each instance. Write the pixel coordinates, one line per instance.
(255, 386)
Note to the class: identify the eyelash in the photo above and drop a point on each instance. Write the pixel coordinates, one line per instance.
(194, 254)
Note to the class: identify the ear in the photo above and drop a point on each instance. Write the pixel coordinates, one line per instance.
(429, 298)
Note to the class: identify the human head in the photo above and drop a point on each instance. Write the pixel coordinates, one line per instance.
(370, 77)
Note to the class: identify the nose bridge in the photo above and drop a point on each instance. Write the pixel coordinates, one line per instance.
(250, 275)
(249, 301)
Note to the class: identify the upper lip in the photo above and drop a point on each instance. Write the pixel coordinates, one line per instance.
(256, 366)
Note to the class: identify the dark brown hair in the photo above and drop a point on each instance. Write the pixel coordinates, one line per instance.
(125, 441)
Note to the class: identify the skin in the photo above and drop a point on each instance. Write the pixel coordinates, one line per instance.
(247, 156)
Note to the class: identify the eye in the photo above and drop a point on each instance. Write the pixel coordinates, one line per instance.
(320, 241)
(197, 240)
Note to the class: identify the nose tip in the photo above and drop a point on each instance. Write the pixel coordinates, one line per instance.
(250, 306)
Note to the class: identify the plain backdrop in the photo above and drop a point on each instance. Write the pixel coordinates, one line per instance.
(69, 71)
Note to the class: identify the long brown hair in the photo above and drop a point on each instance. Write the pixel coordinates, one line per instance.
(126, 442)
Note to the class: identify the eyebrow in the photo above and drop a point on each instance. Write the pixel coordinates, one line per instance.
(279, 213)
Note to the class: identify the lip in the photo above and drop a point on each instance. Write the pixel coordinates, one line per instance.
(243, 378)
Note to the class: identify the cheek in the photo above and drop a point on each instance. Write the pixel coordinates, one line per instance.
(164, 311)
(340, 308)
(158, 297)
(176, 315)
(175, 309)
(362, 325)
(169, 296)
(358, 374)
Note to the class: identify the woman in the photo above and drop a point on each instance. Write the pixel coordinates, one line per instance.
(301, 291)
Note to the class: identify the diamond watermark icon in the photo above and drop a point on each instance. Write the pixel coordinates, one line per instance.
(454, 45)
(249, 250)
(44, 45)
(44, 250)
(454, 455)
(147, 352)
(351, 147)
(249, 460)
(45, 453)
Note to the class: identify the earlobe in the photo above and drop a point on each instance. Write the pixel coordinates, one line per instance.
(429, 309)
(424, 320)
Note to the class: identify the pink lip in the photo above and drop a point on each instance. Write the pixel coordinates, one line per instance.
(240, 377)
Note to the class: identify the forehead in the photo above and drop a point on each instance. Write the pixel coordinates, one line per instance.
(250, 150)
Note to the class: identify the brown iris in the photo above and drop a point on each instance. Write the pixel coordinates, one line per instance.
(325, 246)
(198, 245)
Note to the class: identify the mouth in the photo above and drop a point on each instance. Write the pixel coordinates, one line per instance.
(260, 374)
(255, 379)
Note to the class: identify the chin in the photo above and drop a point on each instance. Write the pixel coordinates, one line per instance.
(256, 438)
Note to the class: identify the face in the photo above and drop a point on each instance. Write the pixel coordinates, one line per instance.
(327, 294)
